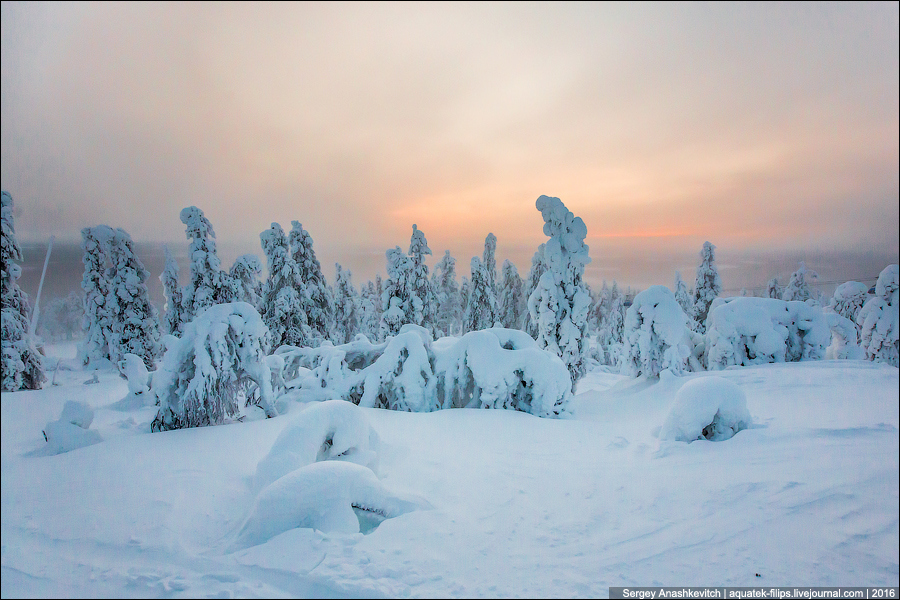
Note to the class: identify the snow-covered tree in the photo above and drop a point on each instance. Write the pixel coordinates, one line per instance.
(245, 279)
(657, 336)
(346, 307)
(135, 323)
(421, 291)
(878, 319)
(282, 305)
(481, 311)
(773, 290)
(449, 313)
(61, 318)
(489, 260)
(317, 301)
(208, 284)
(174, 317)
(682, 295)
(396, 295)
(534, 277)
(849, 298)
(707, 286)
(99, 340)
(798, 287)
(612, 330)
(368, 317)
(465, 289)
(22, 364)
(512, 298)
(559, 304)
(221, 354)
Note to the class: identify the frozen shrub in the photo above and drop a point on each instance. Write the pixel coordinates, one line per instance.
(749, 331)
(710, 408)
(656, 336)
(220, 354)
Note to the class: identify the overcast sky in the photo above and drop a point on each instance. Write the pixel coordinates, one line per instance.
(770, 129)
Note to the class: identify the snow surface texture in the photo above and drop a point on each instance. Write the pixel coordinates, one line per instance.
(491, 368)
(710, 408)
(752, 331)
(523, 507)
(657, 336)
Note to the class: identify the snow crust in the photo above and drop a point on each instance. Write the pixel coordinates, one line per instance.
(709, 408)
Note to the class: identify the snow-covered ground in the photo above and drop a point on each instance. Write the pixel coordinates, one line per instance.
(512, 505)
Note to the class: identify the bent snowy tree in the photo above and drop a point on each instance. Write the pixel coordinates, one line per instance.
(220, 356)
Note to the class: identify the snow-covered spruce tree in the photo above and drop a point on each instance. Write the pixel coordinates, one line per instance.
(773, 290)
(560, 303)
(798, 288)
(449, 313)
(396, 297)
(346, 307)
(489, 260)
(99, 340)
(174, 317)
(707, 286)
(481, 312)
(135, 323)
(282, 306)
(317, 301)
(849, 298)
(512, 298)
(534, 277)
(465, 289)
(599, 307)
(368, 319)
(61, 318)
(421, 291)
(878, 319)
(221, 353)
(208, 284)
(245, 280)
(22, 364)
(612, 330)
(657, 336)
(682, 295)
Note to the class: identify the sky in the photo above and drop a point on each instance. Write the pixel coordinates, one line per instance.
(770, 130)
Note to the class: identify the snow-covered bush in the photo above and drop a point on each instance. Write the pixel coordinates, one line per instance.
(844, 338)
(21, 365)
(656, 336)
(878, 319)
(749, 331)
(707, 286)
(710, 408)
(849, 298)
(203, 373)
(135, 371)
(491, 368)
(71, 431)
(329, 496)
(797, 288)
(330, 430)
(559, 304)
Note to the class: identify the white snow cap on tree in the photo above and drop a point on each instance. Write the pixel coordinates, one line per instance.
(707, 287)
(878, 319)
(220, 354)
(657, 336)
(21, 363)
(559, 304)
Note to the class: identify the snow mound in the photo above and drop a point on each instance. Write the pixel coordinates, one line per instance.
(323, 496)
(711, 408)
(331, 430)
(135, 371)
(71, 431)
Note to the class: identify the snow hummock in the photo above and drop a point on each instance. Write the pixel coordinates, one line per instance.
(709, 408)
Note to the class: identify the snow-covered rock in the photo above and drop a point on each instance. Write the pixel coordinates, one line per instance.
(711, 408)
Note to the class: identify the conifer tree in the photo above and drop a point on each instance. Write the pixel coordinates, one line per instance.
(559, 304)
(22, 364)
(245, 279)
(99, 341)
(424, 303)
(773, 290)
(346, 307)
(481, 311)
(798, 288)
(174, 319)
(534, 277)
(317, 300)
(368, 318)
(707, 287)
(282, 305)
(465, 289)
(512, 297)
(449, 313)
(208, 284)
(396, 297)
(489, 260)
